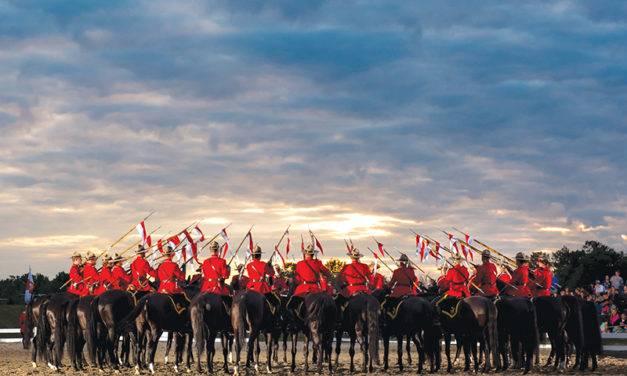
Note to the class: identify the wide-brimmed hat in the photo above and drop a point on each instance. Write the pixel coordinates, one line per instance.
(140, 249)
(90, 255)
(457, 257)
(485, 253)
(168, 251)
(214, 245)
(116, 258)
(355, 253)
(310, 250)
(106, 258)
(521, 257)
(76, 254)
(403, 258)
(257, 250)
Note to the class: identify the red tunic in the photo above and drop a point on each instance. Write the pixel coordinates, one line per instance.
(141, 269)
(402, 282)
(120, 278)
(76, 286)
(279, 284)
(257, 272)
(457, 279)
(485, 279)
(106, 278)
(442, 283)
(505, 277)
(92, 279)
(376, 282)
(520, 277)
(169, 274)
(543, 278)
(308, 276)
(213, 270)
(354, 277)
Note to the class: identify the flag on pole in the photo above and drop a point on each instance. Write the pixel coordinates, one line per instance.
(30, 286)
(376, 265)
(381, 248)
(452, 243)
(420, 248)
(469, 241)
(227, 246)
(281, 256)
(149, 241)
(141, 229)
(191, 246)
(196, 231)
(287, 246)
(318, 245)
(160, 245)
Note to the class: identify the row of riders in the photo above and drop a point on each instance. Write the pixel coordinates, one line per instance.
(505, 317)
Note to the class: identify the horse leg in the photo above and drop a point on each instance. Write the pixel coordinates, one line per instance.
(168, 345)
(152, 345)
(351, 352)
(317, 348)
(285, 334)
(338, 344)
(225, 350)
(421, 352)
(399, 352)
(408, 349)
(473, 348)
(269, 342)
(447, 349)
(386, 349)
(294, 338)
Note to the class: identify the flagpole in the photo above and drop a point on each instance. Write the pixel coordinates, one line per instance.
(123, 236)
(212, 239)
(240, 245)
(280, 240)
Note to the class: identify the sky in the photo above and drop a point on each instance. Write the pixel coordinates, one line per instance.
(352, 119)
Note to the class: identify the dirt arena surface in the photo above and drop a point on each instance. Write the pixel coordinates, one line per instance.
(16, 361)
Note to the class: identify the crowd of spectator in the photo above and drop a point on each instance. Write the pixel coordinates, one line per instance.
(610, 299)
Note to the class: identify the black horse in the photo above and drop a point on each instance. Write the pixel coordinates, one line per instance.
(517, 326)
(153, 314)
(413, 318)
(78, 333)
(552, 316)
(360, 319)
(582, 331)
(251, 309)
(30, 322)
(471, 320)
(53, 318)
(210, 317)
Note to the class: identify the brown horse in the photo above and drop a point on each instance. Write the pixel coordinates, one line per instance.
(210, 317)
(471, 320)
(30, 322)
(517, 325)
(53, 317)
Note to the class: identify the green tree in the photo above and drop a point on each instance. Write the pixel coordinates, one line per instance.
(334, 266)
(581, 267)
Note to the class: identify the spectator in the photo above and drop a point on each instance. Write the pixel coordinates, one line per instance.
(617, 281)
(598, 287)
(607, 283)
(613, 319)
(622, 325)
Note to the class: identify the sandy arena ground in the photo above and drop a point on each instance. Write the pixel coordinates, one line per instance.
(16, 361)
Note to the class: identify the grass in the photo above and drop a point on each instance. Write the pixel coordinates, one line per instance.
(10, 315)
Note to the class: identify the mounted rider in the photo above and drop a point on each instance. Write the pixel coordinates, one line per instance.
(376, 281)
(215, 272)
(259, 272)
(520, 278)
(239, 281)
(485, 278)
(141, 270)
(76, 275)
(354, 277)
(542, 277)
(91, 277)
(170, 274)
(121, 279)
(457, 279)
(403, 279)
(307, 276)
(106, 278)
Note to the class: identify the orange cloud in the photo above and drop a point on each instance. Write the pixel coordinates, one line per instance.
(563, 230)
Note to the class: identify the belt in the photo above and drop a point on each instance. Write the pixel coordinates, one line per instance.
(403, 284)
(487, 284)
(258, 280)
(458, 283)
(357, 284)
(212, 280)
(310, 282)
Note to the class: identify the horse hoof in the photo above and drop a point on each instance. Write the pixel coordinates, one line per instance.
(165, 360)
(235, 371)
(230, 357)
(151, 367)
(100, 370)
(176, 369)
(34, 365)
(256, 368)
(268, 370)
(137, 370)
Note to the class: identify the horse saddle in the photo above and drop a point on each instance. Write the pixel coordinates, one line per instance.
(448, 306)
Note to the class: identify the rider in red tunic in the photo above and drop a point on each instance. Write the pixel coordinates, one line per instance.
(120, 278)
(259, 273)
(354, 277)
(308, 273)
(376, 281)
(542, 278)
(106, 278)
(170, 274)
(485, 279)
(239, 281)
(215, 272)
(520, 278)
(403, 279)
(91, 277)
(457, 279)
(142, 271)
(76, 276)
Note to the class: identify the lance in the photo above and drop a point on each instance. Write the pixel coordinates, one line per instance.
(240, 246)
(212, 239)
(490, 248)
(471, 247)
(416, 266)
(279, 243)
(123, 236)
(378, 258)
(350, 248)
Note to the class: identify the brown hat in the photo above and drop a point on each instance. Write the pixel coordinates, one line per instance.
(106, 257)
(76, 254)
(485, 253)
(140, 249)
(457, 257)
(355, 253)
(214, 245)
(90, 255)
(116, 258)
(403, 258)
(257, 250)
(168, 251)
(521, 257)
(310, 250)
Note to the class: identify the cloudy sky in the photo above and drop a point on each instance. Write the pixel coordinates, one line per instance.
(506, 120)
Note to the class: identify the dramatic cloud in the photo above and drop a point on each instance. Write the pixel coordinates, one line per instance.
(354, 120)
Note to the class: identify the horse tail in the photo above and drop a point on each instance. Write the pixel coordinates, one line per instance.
(240, 320)
(28, 324)
(197, 310)
(574, 324)
(592, 330)
(372, 314)
(43, 327)
(92, 331)
(59, 327)
(126, 323)
(72, 329)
